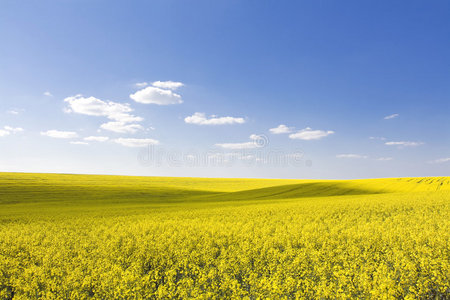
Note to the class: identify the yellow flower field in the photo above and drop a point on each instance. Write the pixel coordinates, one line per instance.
(118, 237)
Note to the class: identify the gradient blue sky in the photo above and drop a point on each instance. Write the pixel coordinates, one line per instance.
(337, 67)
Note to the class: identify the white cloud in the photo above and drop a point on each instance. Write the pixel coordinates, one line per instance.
(309, 134)
(235, 146)
(377, 138)
(155, 95)
(404, 144)
(280, 129)
(96, 138)
(7, 130)
(48, 94)
(4, 133)
(393, 116)
(60, 134)
(121, 127)
(126, 118)
(384, 158)
(136, 142)
(79, 143)
(13, 130)
(92, 106)
(440, 161)
(141, 84)
(228, 157)
(171, 85)
(351, 156)
(201, 119)
(257, 141)
(13, 112)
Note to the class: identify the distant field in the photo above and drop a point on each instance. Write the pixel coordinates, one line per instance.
(119, 237)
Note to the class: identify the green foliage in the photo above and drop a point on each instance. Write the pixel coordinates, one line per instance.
(110, 237)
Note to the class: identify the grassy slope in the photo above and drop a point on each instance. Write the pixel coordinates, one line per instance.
(47, 194)
(33, 195)
(23, 187)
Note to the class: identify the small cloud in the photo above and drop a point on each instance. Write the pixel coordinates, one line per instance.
(380, 138)
(121, 127)
(79, 143)
(280, 129)
(48, 94)
(60, 134)
(136, 142)
(141, 84)
(171, 85)
(309, 134)
(13, 112)
(201, 119)
(384, 158)
(393, 116)
(4, 133)
(119, 113)
(91, 106)
(96, 138)
(257, 141)
(229, 157)
(351, 156)
(7, 130)
(155, 95)
(404, 144)
(13, 130)
(236, 146)
(440, 160)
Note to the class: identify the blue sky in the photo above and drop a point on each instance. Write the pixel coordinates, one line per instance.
(192, 88)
